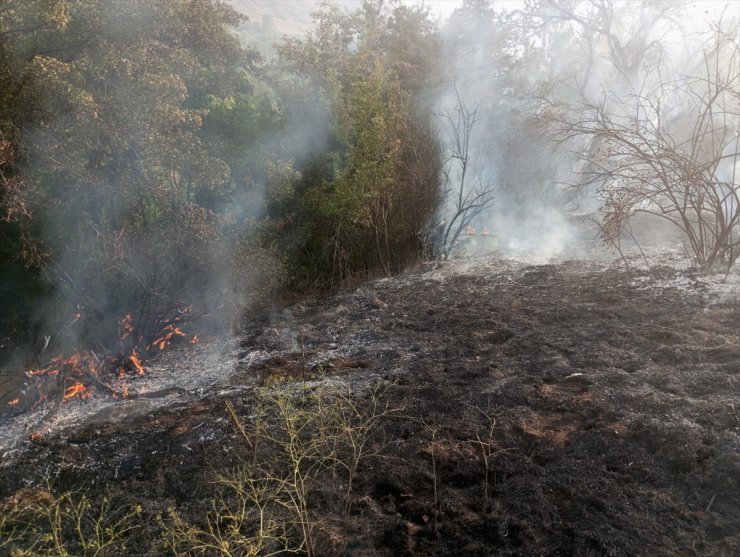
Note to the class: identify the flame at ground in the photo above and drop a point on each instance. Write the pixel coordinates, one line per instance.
(126, 326)
(136, 362)
(81, 362)
(75, 389)
(82, 374)
(80, 365)
(77, 364)
(165, 340)
(41, 371)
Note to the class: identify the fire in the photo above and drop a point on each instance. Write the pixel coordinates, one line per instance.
(136, 362)
(165, 340)
(74, 360)
(76, 389)
(82, 373)
(126, 326)
(42, 371)
(77, 364)
(83, 364)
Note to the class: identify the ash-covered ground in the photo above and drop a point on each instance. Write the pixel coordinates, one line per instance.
(569, 408)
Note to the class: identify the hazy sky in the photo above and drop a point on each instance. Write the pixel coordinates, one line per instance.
(445, 7)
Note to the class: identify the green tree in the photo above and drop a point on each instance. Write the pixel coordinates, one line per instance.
(362, 207)
(127, 125)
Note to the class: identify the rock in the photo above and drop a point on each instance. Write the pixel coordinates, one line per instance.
(378, 303)
(27, 498)
(575, 382)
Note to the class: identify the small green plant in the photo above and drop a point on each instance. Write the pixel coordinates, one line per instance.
(37, 522)
(244, 520)
(432, 449)
(303, 440)
(486, 445)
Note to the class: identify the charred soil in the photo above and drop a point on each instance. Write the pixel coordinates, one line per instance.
(565, 409)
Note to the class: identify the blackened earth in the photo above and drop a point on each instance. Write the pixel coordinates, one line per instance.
(603, 398)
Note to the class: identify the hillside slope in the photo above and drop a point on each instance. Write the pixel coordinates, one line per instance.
(563, 409)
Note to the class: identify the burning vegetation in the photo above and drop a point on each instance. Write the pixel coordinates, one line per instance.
(162, 185)
(83, 374)
(487, 406)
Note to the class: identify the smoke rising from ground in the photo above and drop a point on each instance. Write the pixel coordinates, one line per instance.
(521, 67)
(144, 164)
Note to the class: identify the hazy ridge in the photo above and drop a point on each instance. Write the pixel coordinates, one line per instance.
(289, 17)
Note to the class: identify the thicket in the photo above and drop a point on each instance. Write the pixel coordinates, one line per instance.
(650, 117)
(119, 170)
(152, 166)
(363, 205)
(681, 165)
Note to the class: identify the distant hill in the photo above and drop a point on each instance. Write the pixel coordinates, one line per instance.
(271, 20)
(281, 17)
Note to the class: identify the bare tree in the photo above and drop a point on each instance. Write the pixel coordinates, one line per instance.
(672, 152)
(464, 184)
(603, 22)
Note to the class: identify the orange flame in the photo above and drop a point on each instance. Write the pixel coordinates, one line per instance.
(42, 371)
(194, 340)
(14, 402)
(76, 364)
(74, 360)
(136, 362)
(76, 389)
(165, 340)
(126, 326)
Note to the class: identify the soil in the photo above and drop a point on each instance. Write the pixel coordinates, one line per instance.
(576, 408)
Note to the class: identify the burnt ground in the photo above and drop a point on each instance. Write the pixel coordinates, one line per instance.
(604, 400)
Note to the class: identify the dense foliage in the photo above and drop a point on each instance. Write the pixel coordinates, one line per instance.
(152, 166)
(118, 170)
(368, 196)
